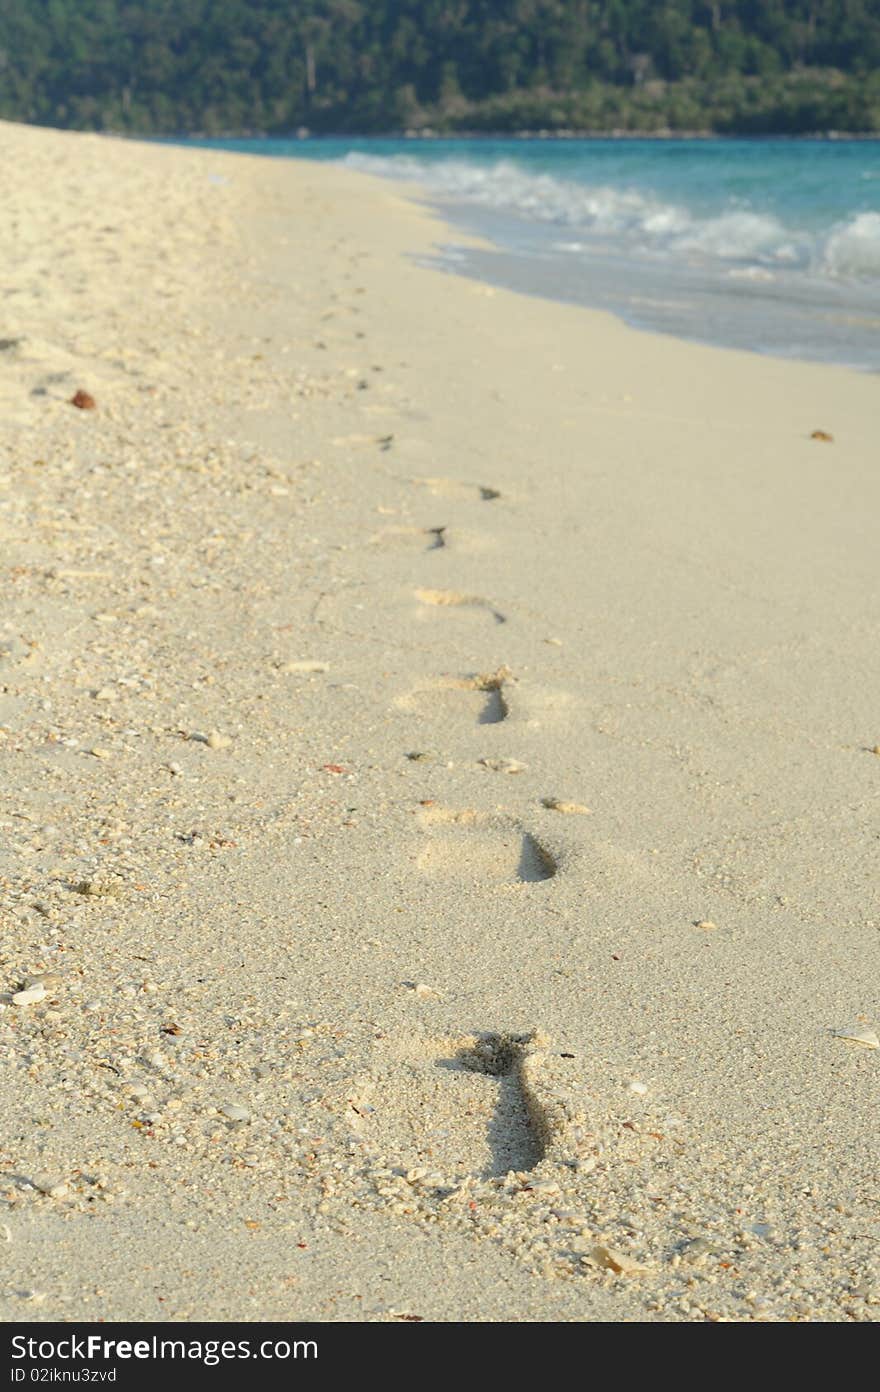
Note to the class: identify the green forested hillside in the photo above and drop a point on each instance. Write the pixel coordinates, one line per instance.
(342, 65)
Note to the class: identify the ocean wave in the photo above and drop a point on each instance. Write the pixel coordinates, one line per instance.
(639, 220)
(853, 249)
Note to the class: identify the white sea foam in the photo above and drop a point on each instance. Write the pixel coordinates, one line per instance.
(640, 221)
(853, 249)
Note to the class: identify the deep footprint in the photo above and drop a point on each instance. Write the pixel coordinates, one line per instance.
(492, 684)
(426, 538)
(481, 697)
(464, 1106)
(515, 1134)
(495, 709)
(535, 863)
(478, 851)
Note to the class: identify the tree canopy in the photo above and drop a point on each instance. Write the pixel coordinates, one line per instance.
(235, 66)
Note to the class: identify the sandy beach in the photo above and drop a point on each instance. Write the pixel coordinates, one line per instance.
(439, 816)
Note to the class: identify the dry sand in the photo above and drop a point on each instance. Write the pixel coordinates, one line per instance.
(437, 787)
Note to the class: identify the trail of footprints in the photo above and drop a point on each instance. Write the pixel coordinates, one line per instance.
(449, 1126)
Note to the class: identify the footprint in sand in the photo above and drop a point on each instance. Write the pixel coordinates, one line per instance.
(452, 488)
(454, 599)
(458, 1106)
(419, 538)
(483, 848)
(479, 698)
(488, 1135)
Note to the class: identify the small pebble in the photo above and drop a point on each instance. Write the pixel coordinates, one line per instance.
(640, 1089)
(234, 1112)
(217, 741)
(706, 924)
(695, 1248)
(569, 808)
(503, 765)
(50, 1185)
(306, 666)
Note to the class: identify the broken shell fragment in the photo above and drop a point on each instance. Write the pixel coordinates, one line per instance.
(306, 666)
(233, 1112)
(30, 995)
(569, 808)
(610, 1259)
(859, 1034)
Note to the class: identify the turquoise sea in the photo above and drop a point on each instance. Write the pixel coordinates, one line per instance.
(768, 245)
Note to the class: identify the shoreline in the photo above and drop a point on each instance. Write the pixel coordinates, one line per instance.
(807, 294)
(303, 134)
(401, 680)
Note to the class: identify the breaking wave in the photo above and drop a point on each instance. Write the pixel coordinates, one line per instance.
(641, 222)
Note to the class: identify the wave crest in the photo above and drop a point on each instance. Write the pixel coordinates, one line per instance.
(639, 219)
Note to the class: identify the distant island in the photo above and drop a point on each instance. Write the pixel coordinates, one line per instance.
(223, 67)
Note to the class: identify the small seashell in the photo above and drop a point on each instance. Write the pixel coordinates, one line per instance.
(426, 992)
(822, 435)
(503, 765)
(30, 995)
(857, 1034)
(217, 741)
(706, 924)
(640, 1089)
